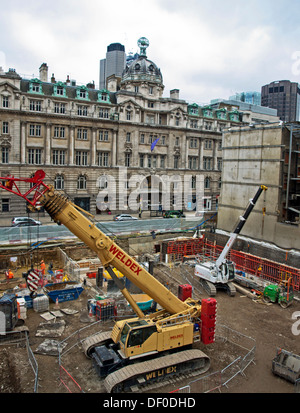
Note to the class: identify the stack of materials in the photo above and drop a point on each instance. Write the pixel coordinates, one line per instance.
(208, 320)
(22, 309)
(41, 304)
(106, 309)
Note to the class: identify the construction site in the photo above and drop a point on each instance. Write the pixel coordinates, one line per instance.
(171, 310)
(48, 356)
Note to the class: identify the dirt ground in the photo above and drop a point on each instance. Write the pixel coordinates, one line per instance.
(269, 325)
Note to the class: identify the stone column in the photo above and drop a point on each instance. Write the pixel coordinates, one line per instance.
(186, 162)
(215, 157)
(94, 147)
(71, 145)
(201, 154)
(47, 145)
(113, 152)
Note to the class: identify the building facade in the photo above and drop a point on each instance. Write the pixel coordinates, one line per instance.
(249, 113)
(79, 136)
(284, 96)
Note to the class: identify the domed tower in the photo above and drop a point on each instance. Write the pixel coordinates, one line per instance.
(142, 75)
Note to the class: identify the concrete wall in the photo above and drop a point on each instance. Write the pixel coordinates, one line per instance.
(259, 249)
(251, 157)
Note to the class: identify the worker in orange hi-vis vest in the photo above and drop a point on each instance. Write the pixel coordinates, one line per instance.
(9, 274)
(43, 267)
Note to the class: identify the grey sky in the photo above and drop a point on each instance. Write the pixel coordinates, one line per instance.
(207, 49)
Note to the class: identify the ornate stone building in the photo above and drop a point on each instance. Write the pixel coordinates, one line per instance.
(78, 134)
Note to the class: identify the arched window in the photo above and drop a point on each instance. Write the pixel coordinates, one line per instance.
(81, 182)
(207, 183)
(59, 182)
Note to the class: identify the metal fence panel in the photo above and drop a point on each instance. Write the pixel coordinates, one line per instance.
(297, 386)
(216, 380)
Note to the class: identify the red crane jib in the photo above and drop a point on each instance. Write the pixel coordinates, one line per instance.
(31, 195)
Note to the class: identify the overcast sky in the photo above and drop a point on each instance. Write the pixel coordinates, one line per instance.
(207, 49)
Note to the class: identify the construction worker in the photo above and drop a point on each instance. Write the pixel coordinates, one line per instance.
(43, 267)
(9, 274)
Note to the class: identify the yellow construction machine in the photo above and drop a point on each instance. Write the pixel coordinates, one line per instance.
(140, 349)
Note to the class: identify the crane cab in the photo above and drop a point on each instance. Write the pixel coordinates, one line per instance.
(137, 337)
(227, 271)
(141, 337)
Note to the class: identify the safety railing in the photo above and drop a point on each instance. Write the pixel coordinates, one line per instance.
(216, 380)
(34, 365)
(297, 386)
(63, 347)
(184, 389)
(70, 266)
(20, 339)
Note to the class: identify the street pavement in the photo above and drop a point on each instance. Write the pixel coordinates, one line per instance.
(46, 220)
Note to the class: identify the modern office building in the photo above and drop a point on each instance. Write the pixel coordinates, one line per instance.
(113, 64)
(284, 96)
(253, 98)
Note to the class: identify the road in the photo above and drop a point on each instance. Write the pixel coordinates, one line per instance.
(50, 231)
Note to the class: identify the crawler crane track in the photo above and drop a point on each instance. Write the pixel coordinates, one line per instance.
(211, 288)
(98, 339)
(208, 287)
(231, 290)
(141, 375)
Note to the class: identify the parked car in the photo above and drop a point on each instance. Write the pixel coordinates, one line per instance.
(24, 222)
(124, 217)
(173, 214)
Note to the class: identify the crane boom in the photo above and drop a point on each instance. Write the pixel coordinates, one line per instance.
(239, 226)
(65, 212)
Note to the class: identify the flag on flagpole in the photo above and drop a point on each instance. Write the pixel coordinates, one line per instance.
(154, 143)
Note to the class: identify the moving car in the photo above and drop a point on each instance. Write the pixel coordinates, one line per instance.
(24, 221)
(124, 217)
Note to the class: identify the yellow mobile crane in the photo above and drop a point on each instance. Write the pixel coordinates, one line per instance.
(138, 349)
